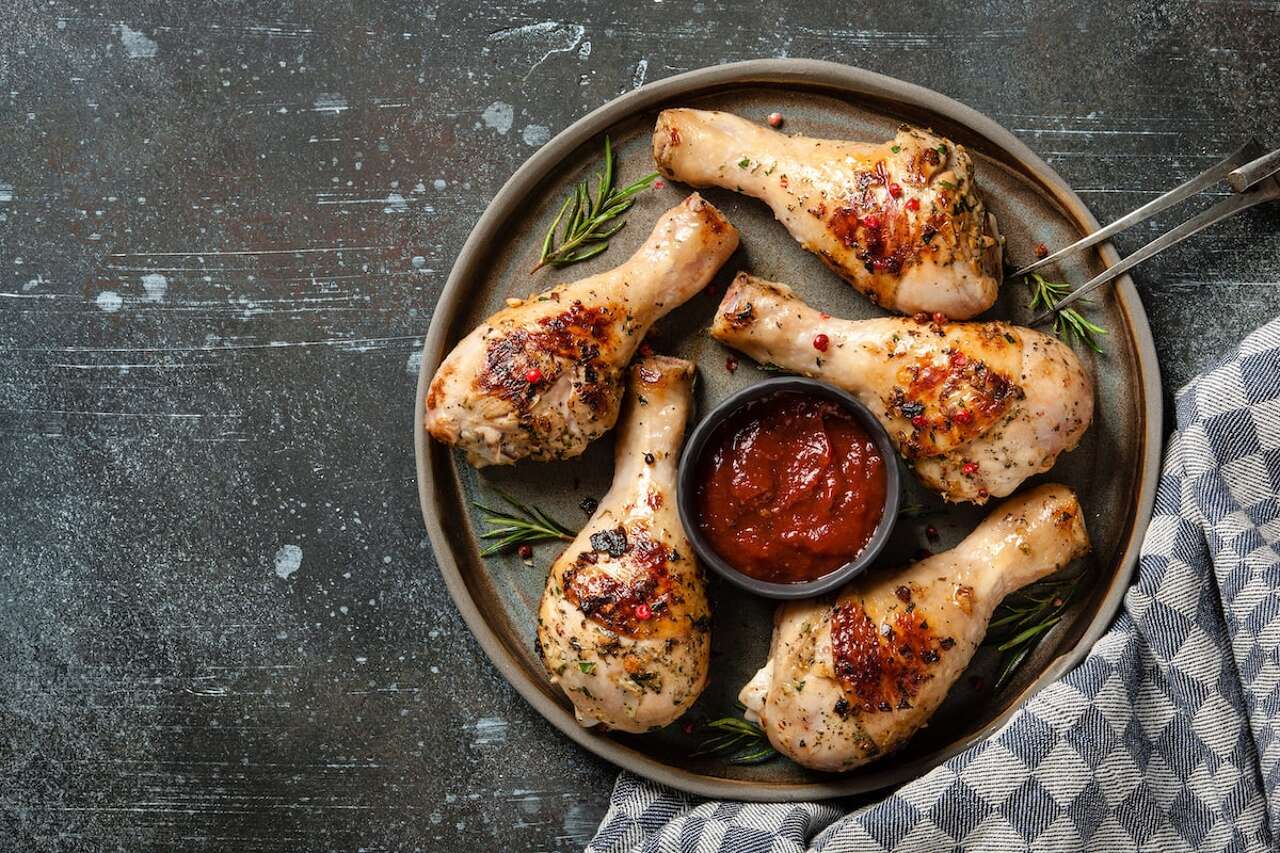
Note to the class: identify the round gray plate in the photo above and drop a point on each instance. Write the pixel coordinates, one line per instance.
(1113, 471)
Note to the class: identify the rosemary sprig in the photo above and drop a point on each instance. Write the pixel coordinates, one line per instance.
(586, 217)
(1069, 324)
(1025, 616)
(740, 740)
(529, 525)
(916, 510)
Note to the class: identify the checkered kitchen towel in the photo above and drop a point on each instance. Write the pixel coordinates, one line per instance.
(1167, 737)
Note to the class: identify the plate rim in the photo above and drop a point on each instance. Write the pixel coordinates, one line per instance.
(852, 80)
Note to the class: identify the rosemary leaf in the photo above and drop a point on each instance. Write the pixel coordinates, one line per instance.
(583, 254)
(574, 211)
(1024, 617)
(585, 231)
(1028, 634)
(737, 740)
(528, 525)
(1011, 665)
(606, 179)
(608, 232)
(549, 240)
(1068, 324)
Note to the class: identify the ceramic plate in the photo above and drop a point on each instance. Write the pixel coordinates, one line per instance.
(1113, 471)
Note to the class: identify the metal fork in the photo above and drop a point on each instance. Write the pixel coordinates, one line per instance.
(1253, 176)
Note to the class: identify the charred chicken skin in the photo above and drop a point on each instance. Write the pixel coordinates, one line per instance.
(975, 408)
(543, 377)
(901, 221)
(624, 624)
(850, 679)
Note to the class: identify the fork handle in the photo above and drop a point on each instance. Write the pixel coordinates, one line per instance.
(1250, 173)
(1224, 209)
(1243, 155)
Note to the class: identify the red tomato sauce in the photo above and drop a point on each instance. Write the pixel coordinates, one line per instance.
(791, 488)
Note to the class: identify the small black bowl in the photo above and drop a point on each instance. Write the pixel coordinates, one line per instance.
(686, 491)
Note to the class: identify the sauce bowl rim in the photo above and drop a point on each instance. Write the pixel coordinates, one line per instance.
(686, 489)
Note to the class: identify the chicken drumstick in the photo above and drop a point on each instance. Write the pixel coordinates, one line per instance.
(543, 378)
(900, 221)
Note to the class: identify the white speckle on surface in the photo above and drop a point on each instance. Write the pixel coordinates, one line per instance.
(136, 43)
(6, 191)
(489, 730)
(579, 821)
(155, 285)
(439, 183)
(550, 37)
(395, 204)
(642, 71)
(33, 284)
(288, 561)
(109, 301)
(413, 365)
(584, 50)
(330, 103)
(418, 262)
(498, 116)
(536, 135)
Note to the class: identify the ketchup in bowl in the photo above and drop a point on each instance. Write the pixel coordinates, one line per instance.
(790, 487)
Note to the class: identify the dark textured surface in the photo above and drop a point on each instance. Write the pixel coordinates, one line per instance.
(221, 234)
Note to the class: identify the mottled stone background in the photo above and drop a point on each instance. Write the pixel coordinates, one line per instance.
(223, 227)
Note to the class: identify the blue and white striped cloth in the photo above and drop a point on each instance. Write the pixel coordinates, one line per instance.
(1166, 737)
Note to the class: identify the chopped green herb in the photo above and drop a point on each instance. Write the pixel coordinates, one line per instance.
(895, 148)
(587, 666)
(744, 163)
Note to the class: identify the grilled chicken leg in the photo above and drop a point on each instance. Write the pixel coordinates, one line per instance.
(624, 623)
(849, 681)
(976, 408)
(900, 221)
(543, 378)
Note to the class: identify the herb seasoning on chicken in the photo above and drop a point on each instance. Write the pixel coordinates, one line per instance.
(543, 378)
(901, 221)
(624, 626)
(976, 408)
(850, 679)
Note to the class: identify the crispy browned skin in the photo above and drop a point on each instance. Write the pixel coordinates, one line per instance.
(901, 220)
(624, 627)
(542, 378)
(851, 678)
(975, 407)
